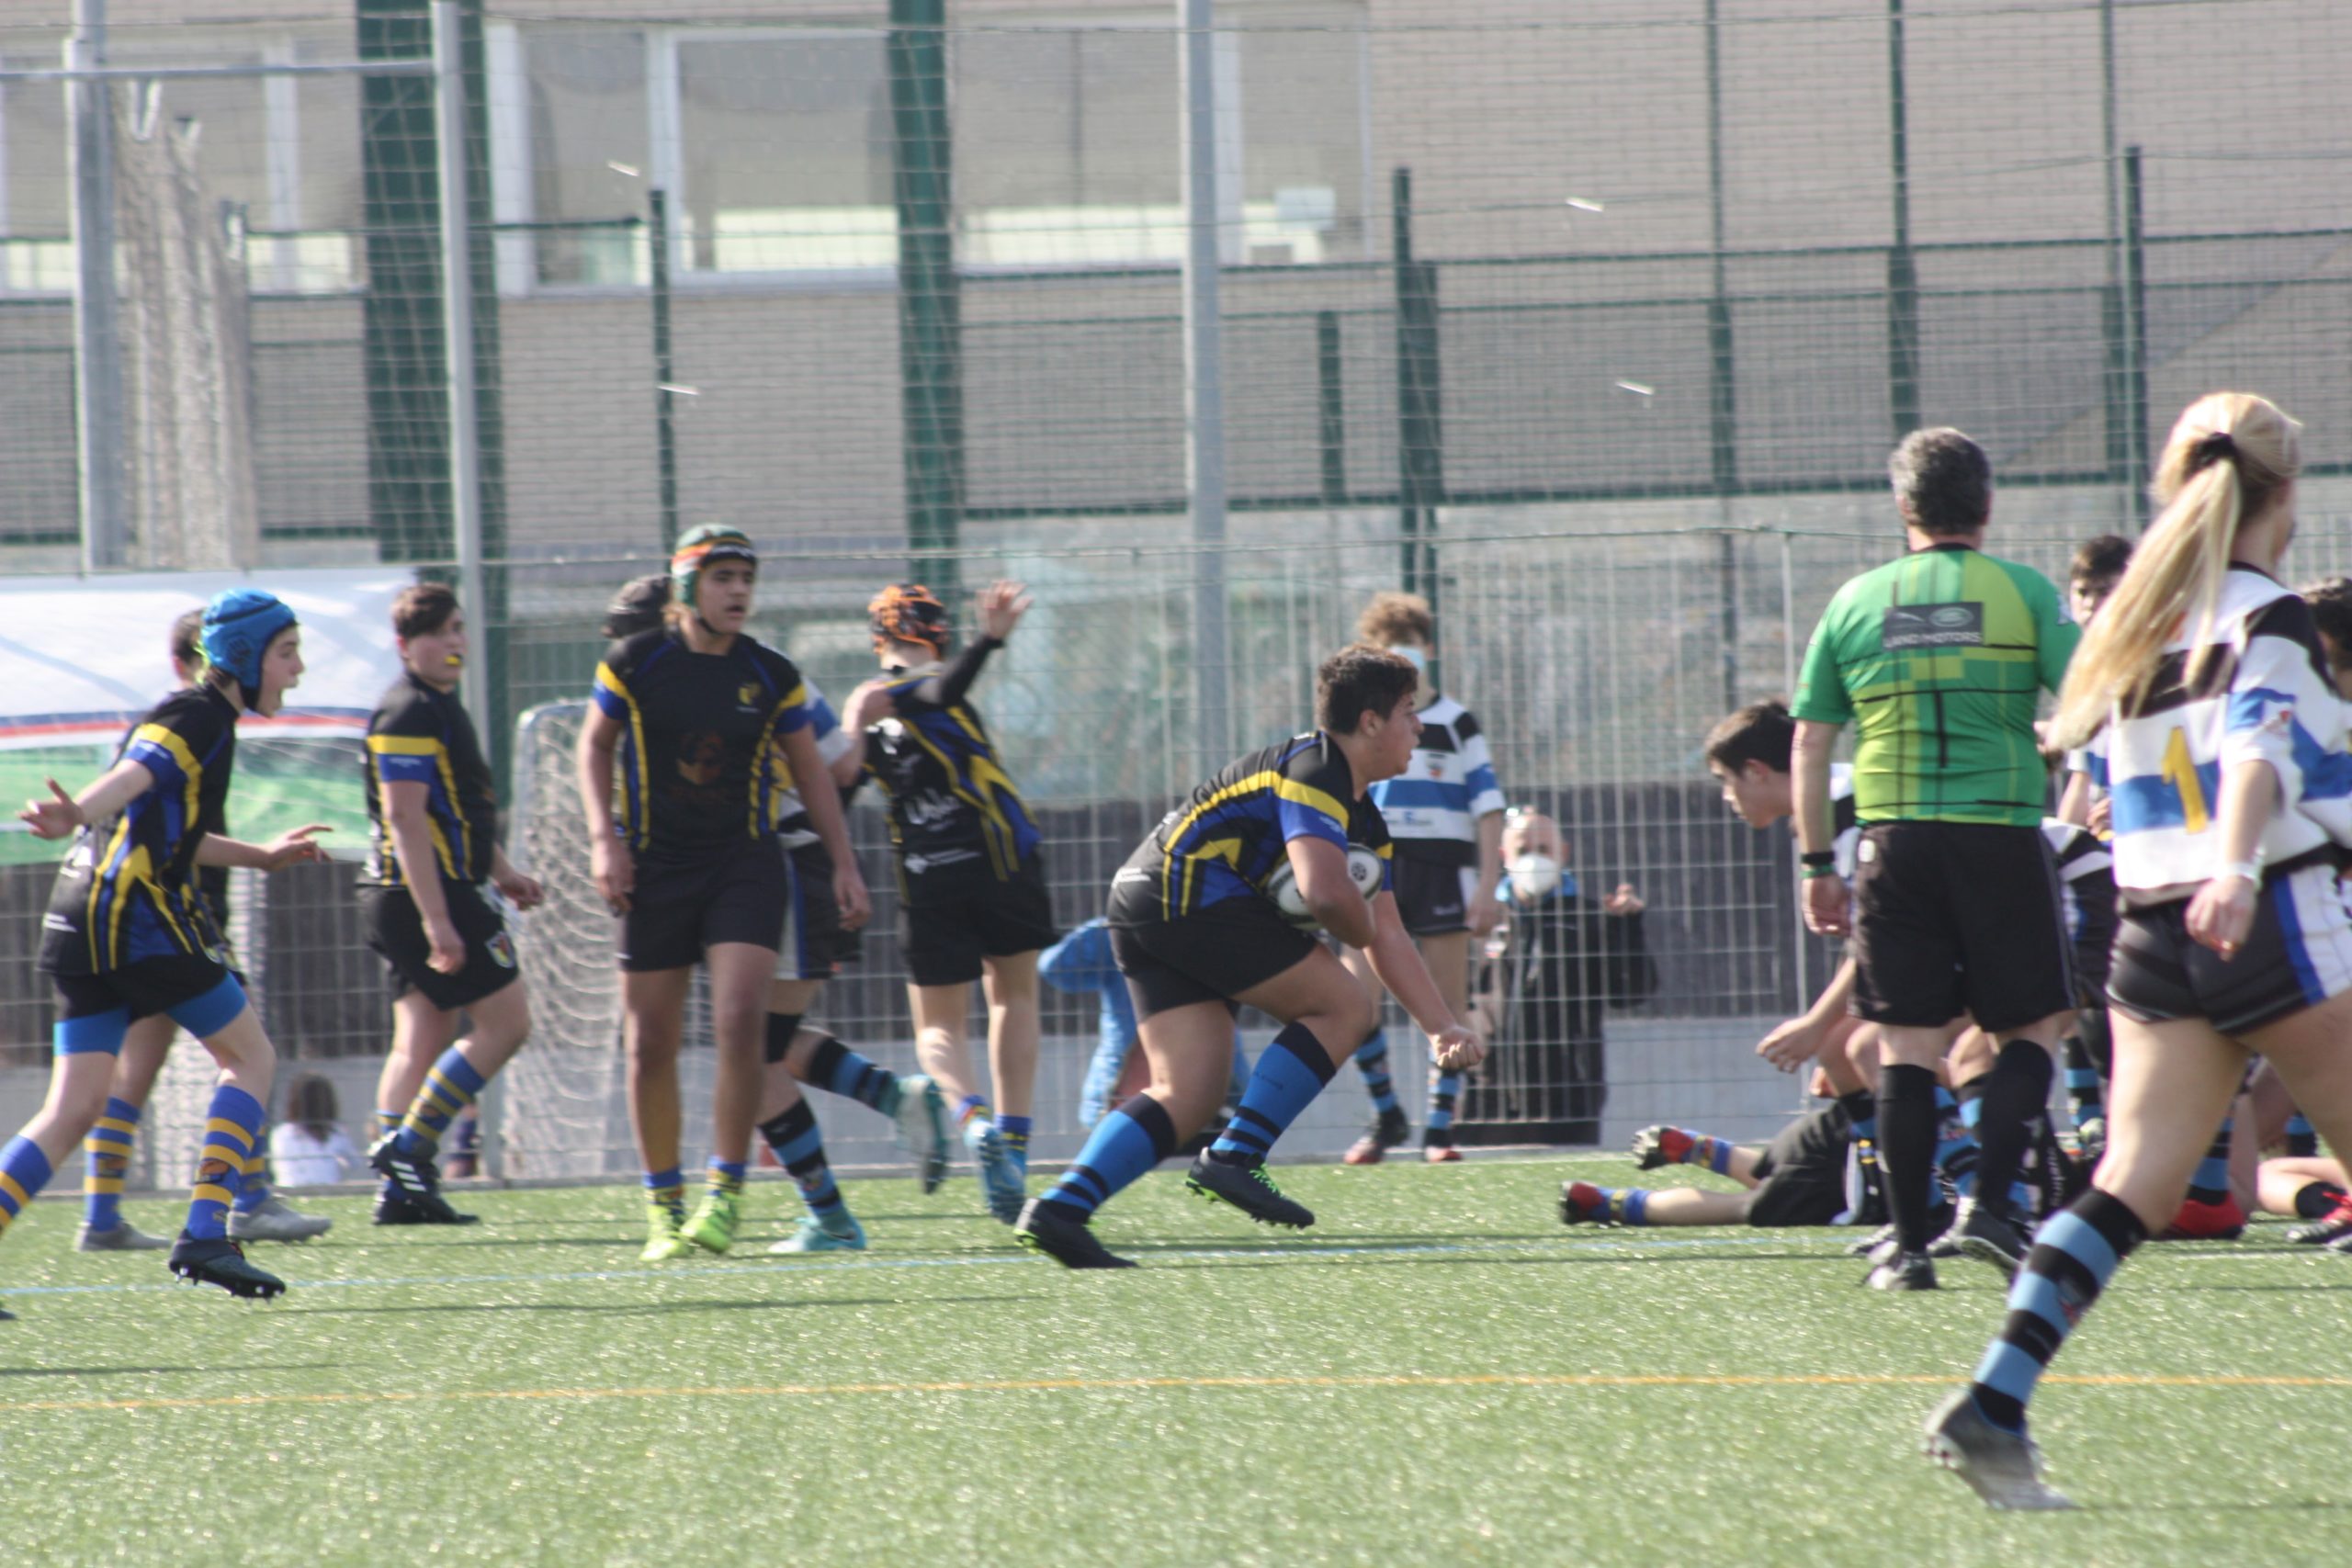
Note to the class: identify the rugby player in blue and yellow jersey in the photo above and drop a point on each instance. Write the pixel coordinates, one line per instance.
(1197, 930)
(432, 842)
(126, 935)
(685, 714)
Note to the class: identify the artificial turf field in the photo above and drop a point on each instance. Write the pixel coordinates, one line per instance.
(1438, 1372)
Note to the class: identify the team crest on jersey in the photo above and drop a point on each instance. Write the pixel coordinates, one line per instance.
(748, 693)
(502, 951)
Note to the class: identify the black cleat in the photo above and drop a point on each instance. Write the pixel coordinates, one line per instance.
(1978, 1233)
(1050, 1229)
(1904, 1271)
(430, 1209)
(1249, 1189)
(222, 1262)
(414, 1175)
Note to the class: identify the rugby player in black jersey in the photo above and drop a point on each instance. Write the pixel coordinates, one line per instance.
(1199, 926)
(685, 715)
(432, 842)
(972, 899)
(126, 936)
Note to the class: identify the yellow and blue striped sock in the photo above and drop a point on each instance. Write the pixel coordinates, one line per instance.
(725, 1178)
(24, 1171)
(450, 1085)
(253, 1188)
(668, 1187)
(232, 1127)
(106, 1160)
(1016, 1139)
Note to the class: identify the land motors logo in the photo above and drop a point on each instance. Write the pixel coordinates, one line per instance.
(1932, 626)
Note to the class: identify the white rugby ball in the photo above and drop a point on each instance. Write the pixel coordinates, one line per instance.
(1282, 886)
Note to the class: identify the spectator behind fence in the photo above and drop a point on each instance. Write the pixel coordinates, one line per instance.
(310, 1148)
(1567, 957)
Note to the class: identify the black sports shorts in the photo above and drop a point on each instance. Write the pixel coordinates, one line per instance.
(151, 985)
(1958, 917)
(1801, 1180)
(1432, 895)
(2298, 955)
(1210, 955)
(681, 910)
(949, 921)
(811, 943)
(396, 932)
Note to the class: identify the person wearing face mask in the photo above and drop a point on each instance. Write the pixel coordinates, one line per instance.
(1568, 957)
(1446, 815)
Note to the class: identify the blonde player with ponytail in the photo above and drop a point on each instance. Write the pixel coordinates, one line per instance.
(2233, 801)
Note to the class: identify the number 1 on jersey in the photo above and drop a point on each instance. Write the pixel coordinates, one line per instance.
(2180, 772)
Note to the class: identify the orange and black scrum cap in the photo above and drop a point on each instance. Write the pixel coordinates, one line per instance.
(908, 612)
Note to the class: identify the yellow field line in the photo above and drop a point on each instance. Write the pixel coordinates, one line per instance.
(1097, 1386)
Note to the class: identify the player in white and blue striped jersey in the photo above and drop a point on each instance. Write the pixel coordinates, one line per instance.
(2233, 808)
(1445, 819)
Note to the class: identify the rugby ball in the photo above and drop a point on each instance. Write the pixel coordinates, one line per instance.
(1282, 886)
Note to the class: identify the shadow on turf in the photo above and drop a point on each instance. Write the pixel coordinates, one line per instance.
(156, 1372)
(636, 1309)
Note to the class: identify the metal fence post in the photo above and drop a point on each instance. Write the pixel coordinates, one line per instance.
(98, 339)
(1902, 266)
(931, 353)
(458, 347)
(665, 430)
(1420, 449)
(1205, 473)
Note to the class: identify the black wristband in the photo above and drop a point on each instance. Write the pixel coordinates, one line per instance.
(1818, 858)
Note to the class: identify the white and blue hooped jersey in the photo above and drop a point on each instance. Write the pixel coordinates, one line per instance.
(2081, 861)
(1451, 783)
(793, 828)
(2089, 759)
(2260, 692)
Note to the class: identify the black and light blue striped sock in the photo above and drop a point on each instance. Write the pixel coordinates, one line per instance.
(1125, 1144)
(1372, 1061)
(1291, 1071)
(2074, 1257)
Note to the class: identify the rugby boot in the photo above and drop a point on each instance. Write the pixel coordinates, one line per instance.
(1069, 1241)
(123, 1237)
(712, 1224)
(274, 1219)
(1246, 1187)
(2002, 1466)
(816, 1235)
(922, 1115)
(1388, 1130)
(220, 1261)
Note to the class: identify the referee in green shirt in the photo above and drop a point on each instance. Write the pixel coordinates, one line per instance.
(1938, 660)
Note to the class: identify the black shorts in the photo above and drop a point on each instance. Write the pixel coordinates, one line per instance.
(1958, 917)
(1433, 897)
(396, 932)
(951, 920)
(1210, 955)
(811, 943)
(2298, 955)
(1801, 1180)
(681, 910)
(149, 986)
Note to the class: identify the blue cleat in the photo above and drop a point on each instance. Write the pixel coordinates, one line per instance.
(1000, 1183)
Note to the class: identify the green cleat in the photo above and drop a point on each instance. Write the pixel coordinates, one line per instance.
(662, 1237)
(712, 1224)
(815, 1236)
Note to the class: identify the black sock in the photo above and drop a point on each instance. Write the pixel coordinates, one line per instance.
(782, 1027)
(2314, 1199)
(2016, 1093)
(1907, 1147)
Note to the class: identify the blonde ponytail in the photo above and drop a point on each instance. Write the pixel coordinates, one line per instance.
(2227, 459)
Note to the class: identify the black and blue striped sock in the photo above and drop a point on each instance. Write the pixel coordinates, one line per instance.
(1372, 1061)
(1125, 1144)
(2212, 1182)
(2302, 1138)
(2074, 1257)
(1291, 1071)
(835, 1067)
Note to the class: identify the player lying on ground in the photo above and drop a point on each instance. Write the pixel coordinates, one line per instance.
(432, 842)
(808, 951)
(259, 1214)
(1198, 929)
(692, 862)
(2233, 800)
(126, 935)
(1799, 1178)
(972, 899)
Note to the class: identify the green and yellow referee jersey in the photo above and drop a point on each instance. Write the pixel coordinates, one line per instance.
(1938, 660)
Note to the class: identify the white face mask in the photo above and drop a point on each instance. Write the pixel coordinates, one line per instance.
(1533, 876)
(1419, 658)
